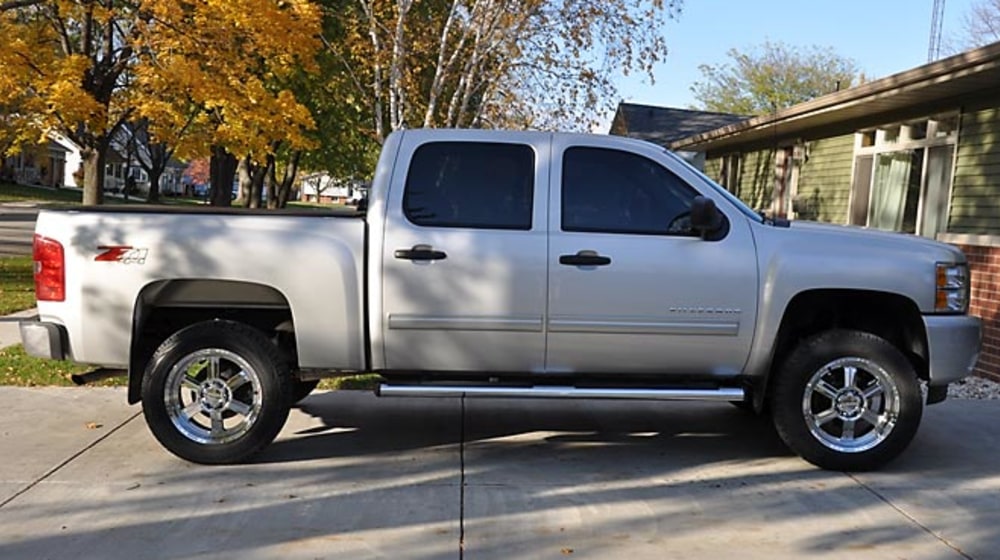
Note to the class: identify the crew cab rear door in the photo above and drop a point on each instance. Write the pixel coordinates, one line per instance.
(632, 289)
(463, 280)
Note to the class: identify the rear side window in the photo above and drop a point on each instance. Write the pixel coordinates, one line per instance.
(611, 191)
(470, 184)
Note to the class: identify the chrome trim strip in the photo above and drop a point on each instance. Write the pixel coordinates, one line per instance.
(423, 322)
(720, 328)
(554, 392)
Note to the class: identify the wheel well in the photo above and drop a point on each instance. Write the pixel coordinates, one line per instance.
(892, 317)
(164, 308)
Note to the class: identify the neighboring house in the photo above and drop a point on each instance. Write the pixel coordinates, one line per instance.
(127, 156)
(665, 125)
(55, 163)
(46, 164)
(916, 152)
(72, 159)
(321, 187)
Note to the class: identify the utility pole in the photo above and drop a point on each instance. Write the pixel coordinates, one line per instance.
(937, 22)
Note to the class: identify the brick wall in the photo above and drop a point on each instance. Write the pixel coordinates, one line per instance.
(984, 263)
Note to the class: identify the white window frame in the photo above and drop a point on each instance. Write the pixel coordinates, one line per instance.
(882, 146)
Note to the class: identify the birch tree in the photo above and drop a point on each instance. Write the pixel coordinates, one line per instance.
(981, 23)
(491, 63)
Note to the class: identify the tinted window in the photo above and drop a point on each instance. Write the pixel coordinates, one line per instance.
(619, 192)
(470, 184)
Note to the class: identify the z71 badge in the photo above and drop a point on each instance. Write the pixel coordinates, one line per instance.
(125, 254)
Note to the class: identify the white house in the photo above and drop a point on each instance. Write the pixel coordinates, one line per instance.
(321, 187)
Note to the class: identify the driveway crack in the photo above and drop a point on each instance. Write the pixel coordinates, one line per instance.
(909, 517)
(68, 460)
(461, 484)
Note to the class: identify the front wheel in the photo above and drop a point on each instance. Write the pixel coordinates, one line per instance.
(846, 400)
(216, 392)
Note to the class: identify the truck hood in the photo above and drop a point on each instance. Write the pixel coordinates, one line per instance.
(810, 256)
(832, 235)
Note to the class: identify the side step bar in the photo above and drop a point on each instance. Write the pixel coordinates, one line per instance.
(556, 392)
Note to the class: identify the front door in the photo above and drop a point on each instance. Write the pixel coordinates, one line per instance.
(631, 289)
(464, 255)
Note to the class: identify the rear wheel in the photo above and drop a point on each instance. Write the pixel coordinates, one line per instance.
(846, 400)
(216, 392)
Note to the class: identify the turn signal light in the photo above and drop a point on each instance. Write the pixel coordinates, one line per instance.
(952, 294)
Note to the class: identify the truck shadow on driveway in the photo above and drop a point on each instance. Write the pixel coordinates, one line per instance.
(690, 433)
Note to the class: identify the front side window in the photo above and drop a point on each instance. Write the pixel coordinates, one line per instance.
(612, 191)
(470, 185)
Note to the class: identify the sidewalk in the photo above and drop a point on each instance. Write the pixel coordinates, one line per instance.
(9, 332)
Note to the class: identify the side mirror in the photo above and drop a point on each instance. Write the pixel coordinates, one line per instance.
(708, 220)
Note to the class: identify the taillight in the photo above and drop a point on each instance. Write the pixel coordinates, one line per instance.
(50, 270)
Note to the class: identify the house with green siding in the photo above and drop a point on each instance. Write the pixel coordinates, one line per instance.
(917, 152)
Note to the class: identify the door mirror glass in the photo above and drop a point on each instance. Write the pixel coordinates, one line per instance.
(708, 220)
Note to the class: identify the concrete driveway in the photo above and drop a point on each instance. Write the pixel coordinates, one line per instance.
(356, 477)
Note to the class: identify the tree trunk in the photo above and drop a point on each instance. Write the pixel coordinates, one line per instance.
(158, 158)
(272, 183)
(223, 171)
(93, 176)
(243, 174)
(154, 185)
(257, 187)
(285, 188)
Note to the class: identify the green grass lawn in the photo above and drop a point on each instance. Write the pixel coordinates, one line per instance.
(10, 192)
(19, 369)
(362, 382)
(17, 285)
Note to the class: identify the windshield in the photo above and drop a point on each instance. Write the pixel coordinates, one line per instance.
(718, 188)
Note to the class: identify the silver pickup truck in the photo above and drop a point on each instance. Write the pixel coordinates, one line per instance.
(510, 264)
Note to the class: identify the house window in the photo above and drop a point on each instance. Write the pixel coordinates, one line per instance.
(902, 176)
(730, 178)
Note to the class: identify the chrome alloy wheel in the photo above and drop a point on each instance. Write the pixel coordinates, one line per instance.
(213, 396)
(851, 404)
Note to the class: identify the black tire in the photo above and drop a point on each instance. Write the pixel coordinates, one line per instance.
(302, 389)
(828, 414)
(216, 392)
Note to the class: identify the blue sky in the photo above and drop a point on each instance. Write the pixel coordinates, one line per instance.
(882, 36)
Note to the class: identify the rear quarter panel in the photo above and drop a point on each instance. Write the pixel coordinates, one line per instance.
(315, 262)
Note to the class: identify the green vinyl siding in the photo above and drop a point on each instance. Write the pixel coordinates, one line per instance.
(975, 198)
(756, 179)
(713, 168)
(824, 187)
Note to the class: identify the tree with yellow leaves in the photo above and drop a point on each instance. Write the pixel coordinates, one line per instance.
(200, 72)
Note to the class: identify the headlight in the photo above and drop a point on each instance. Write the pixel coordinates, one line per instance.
(952, 294)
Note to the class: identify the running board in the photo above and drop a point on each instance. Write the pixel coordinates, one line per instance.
(555, 392)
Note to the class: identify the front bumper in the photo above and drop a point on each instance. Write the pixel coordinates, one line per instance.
(953, 343)
(44, 340)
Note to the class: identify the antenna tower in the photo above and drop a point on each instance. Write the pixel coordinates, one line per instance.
(937, 22)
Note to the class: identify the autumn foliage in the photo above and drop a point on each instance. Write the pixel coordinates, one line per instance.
(202, 72)
(271, 83)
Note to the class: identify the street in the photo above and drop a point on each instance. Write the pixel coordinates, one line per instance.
(17, 222)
